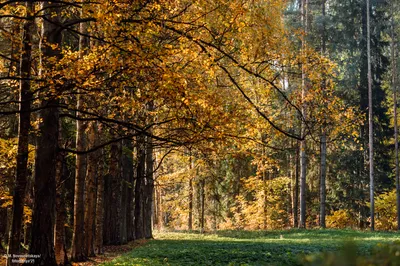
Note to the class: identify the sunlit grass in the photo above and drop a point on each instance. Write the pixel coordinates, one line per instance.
(247, 248)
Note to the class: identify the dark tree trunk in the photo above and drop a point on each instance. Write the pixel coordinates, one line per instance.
(100, 204)
(61, 214)
(23, 135)
(370, 122)
(139, 187)
(107, 210)
(46, 149)
(90, 190)
(116, 191)
(128, 176)
(149, 190)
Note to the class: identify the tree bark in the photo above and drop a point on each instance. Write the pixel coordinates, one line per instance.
(323, 137)
(23, 135)
(202, 208)
(303, 147)
(295, 187)
(370, 122)
(149, 189)
(116, 191)
(46, 148)
(190, 218)
(90, 190)
(61, 215)
(100, 203)
(139, 186)
(128, 173)
(396, 134)
(127, 200)
(79, 252)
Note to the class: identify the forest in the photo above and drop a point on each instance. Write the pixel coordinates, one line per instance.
(128, 120)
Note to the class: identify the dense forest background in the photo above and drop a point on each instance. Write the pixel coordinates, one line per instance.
(120, 117)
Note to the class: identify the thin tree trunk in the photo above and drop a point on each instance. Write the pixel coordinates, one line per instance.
(202, 208)
(264, 183)
(190, 220)
(370, 122)
(100, 204)
(303, 159)
(323, 138)
(396, 135)
(46, 150)
(23, 135)
(160, 210)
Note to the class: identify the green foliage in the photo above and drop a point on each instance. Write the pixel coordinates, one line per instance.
(381, 255)
(289, 247)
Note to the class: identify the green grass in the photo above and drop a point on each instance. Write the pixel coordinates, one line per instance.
(247, 248)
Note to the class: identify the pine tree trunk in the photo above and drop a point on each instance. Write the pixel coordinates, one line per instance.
(139, 187)
(190, 220)
(90, 190)
(23, 135)
(323, 150)
(370, 122)
(303, 147)
(116, 191)
(295, 187)
(61, 215)
(396, 135)
(128, 171)
(107, 210)
(202, 208)
(149, 189)
(127, 176)
(79, 252)
(100, 203)
(42, 240)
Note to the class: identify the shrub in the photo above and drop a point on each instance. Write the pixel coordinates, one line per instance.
(341, 219)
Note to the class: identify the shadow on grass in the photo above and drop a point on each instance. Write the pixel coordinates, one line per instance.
(243, 247)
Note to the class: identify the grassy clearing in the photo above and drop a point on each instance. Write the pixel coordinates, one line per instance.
(247, 248)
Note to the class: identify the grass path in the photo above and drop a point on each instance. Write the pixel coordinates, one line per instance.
(246, 248)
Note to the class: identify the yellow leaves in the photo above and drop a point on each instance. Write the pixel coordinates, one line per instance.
(342, 218)
(7, 201)
(27, 214)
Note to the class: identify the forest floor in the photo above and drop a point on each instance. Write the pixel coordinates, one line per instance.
(110, 253)
(289, 247)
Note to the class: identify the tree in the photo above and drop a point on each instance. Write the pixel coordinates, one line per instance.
(79, 252)
(42, 239)
(303, 163)
(370, 122)
(23, 133)
(323, 149)
(394, 89)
